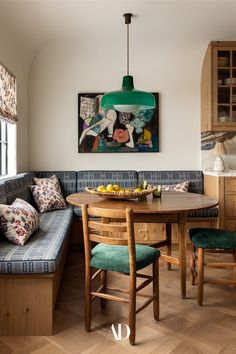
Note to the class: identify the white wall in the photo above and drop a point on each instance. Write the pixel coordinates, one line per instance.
(64, 68)
(15, 58)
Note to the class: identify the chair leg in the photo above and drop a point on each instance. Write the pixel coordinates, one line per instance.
(200, 278)
(104, 284)
(168, 239)
(156, 308)
(234, 268)
(193, 265)
(88, 300)
(132, 308)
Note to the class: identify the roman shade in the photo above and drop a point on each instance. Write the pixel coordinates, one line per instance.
(7, 96)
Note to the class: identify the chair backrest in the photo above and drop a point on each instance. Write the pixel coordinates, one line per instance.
(105, 225)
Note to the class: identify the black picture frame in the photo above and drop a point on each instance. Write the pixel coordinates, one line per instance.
(111, 131)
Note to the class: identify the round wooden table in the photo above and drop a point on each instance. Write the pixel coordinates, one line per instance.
(172, 207)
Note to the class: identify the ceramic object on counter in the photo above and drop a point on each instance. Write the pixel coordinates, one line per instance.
(219, 164)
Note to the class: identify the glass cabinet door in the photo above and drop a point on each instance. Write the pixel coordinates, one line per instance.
(225, 87)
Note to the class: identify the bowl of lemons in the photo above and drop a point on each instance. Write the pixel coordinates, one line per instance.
(115, 191)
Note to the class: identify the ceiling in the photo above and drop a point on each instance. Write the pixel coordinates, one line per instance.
(34, 23)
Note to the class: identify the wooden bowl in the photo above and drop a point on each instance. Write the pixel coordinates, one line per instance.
(118, 195)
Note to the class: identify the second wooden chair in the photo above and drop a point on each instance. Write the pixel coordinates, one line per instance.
(216, 241)
(117, 255)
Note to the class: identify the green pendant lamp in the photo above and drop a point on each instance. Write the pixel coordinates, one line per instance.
(128, 99)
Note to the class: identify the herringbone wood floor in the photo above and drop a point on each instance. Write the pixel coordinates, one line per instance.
(184, 327)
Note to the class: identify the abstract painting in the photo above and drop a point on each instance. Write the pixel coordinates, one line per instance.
(102, 131)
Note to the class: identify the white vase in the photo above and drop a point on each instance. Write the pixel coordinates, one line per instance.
(219, 164)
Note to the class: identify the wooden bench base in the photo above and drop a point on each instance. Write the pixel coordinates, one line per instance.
(26, 305)
(27, 302)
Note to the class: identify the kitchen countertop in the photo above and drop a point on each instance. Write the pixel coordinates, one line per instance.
(226, 173)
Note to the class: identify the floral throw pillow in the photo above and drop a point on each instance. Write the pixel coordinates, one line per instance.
(53, 180)
(180, 187)
(18, 221)
(47, 198)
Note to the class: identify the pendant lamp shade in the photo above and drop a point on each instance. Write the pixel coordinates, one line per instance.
(128, 99)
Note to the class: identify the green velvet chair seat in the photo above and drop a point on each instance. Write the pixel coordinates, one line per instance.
(116, 258)
(213, 238)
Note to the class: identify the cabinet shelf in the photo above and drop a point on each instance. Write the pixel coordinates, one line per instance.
(227, 86)
(226, 67)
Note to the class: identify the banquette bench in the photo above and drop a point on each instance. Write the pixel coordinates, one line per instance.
(30, 274)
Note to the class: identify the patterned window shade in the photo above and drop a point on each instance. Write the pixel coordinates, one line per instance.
(7, 96)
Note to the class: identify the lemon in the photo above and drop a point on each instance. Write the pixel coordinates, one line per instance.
(121, 191)
(109, 188)
(100, 188)
(116, 187)
(138, 190)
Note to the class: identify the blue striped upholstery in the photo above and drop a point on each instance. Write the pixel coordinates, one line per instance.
(78, 212)
(3, 197)
(213, 212)
(16, 188)
(43, 250)
(173, 177)
(28, 182)
(29, 177)
(67, 180)
(125, 179)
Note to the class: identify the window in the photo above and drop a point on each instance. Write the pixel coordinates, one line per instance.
(7, 149)
(8, 118)
(3, 148)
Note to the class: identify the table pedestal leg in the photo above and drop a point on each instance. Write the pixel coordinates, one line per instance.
(182, 253)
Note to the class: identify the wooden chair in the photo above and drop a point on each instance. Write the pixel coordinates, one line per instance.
(118, 255)
(214, 241)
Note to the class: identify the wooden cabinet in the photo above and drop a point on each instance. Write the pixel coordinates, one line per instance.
(218, 87)
(223, 188)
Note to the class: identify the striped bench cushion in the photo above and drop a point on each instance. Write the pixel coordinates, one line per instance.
(173, 177)
(212, 212)
(43, 250)
(3, 197)
(16, 188)
(67, 180)
(126, 179)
